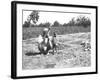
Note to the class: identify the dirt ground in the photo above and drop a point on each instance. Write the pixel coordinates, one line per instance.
(70, 53)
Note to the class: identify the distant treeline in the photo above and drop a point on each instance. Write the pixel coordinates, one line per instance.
(79, 21)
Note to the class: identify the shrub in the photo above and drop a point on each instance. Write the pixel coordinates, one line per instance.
(26, 24)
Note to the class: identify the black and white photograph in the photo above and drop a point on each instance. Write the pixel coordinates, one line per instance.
(55, 39)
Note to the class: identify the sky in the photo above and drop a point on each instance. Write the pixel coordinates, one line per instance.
(53, 16)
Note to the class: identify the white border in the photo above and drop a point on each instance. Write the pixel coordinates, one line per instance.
(21, 72)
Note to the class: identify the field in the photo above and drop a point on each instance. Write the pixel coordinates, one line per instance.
(33, 32)
(70, 52)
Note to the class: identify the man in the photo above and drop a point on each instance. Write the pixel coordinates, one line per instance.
(46, 32)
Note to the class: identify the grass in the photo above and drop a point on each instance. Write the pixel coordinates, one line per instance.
(33, 32)
(70, 53)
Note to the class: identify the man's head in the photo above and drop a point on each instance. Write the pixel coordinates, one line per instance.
(45, 32)
(46, 29)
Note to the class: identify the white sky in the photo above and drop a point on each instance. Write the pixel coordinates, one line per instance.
(53, 16)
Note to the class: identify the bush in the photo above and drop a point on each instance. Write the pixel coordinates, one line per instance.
(47, 24)
(80, 21)
(65, 24)
(26, 24)
(83, 21)
(56, 24)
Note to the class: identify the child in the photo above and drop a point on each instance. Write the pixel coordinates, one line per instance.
(54, 41)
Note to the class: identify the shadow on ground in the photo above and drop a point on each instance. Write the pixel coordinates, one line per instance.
(32, 53)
